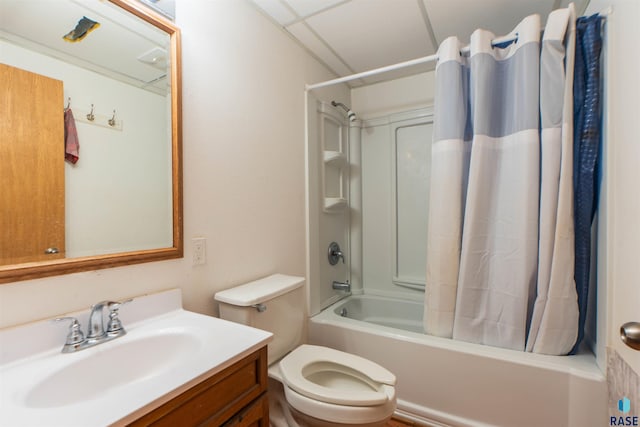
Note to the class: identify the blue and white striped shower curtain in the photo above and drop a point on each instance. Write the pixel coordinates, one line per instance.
(500, 247)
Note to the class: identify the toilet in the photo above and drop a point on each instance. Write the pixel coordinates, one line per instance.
(309, 385)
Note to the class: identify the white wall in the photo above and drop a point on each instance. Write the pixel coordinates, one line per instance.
(112, 201)
(243, 116)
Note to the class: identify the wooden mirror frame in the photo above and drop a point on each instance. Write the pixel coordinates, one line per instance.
(33, 270)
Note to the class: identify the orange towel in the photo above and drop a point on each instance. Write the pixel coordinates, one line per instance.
(71, 143)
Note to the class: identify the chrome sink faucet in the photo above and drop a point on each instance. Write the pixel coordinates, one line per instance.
(96, 333)
(96, 321)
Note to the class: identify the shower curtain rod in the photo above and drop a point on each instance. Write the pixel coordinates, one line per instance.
(417, 61)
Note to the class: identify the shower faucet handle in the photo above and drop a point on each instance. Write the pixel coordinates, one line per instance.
(334, 253)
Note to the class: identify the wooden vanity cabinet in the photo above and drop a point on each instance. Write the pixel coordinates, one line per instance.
(235, 396)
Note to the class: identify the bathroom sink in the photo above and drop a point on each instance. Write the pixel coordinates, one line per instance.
(166, 351)
(132, 360)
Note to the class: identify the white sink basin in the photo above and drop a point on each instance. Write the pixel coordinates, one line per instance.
(163, 353)
(132, 360)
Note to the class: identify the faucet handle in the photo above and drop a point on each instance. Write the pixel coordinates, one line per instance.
(75, 335)
(335, 253)
(115, 305)
(114, 327)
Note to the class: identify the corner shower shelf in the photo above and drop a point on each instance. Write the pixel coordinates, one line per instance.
(335, 158)
(334, 204)
(334, 162)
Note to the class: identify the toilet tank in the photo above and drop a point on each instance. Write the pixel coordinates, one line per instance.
(275, 304)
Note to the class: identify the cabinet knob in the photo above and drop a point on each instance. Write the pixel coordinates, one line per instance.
(51, 251)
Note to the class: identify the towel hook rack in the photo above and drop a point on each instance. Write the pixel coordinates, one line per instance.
(90, 116)
(68, 103)
(112, 120)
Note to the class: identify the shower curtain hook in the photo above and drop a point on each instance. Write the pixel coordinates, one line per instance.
(90, 116)
(112, 120)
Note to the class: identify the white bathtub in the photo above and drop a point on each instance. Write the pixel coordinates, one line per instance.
(451, 383)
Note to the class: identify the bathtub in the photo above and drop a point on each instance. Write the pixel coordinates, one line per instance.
(442, 382)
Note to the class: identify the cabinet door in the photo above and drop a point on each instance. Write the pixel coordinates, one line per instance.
(255, 414)
(31, 166)
(217, 399)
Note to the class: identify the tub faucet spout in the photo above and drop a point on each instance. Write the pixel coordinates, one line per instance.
(342, 286)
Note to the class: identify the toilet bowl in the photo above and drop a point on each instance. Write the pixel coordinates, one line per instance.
(337, 387)
(310, 386)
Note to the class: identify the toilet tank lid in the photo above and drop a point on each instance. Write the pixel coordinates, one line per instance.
(260, 290)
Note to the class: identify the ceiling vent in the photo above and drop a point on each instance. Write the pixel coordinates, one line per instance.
(156, 57)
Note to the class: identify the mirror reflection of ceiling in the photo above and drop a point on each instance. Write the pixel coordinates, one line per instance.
(164, 7)
(122, 47)
(352, 36)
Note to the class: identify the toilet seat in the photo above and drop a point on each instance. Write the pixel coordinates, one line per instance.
(340, 414)
(338, 378)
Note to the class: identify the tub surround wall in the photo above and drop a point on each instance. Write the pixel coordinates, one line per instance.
(328, 134)
(396, 152)
(243, 117)
(382, 107)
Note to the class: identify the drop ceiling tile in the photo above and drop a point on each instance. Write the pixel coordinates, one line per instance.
(462, 17)
(305, 8)
(315, 45)
(276, 10)
(373, 33)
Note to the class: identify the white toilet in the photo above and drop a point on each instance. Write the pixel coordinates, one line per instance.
(323, 387)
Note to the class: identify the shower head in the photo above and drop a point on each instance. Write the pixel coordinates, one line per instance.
(350, 114)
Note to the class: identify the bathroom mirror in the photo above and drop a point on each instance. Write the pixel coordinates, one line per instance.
(118, 72)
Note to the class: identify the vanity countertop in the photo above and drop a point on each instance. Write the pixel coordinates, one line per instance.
(166, 350)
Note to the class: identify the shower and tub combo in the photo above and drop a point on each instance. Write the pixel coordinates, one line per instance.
(380, 315)
(369, 191)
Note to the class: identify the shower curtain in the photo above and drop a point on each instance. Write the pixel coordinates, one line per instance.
(500, 245)
(586, 144)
